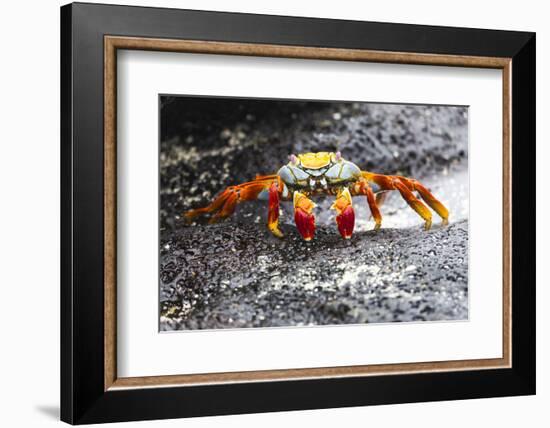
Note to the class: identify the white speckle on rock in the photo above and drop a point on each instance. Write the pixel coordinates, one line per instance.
(353, 272)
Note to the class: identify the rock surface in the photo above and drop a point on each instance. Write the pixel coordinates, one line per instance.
(235, 274)
(241, 276)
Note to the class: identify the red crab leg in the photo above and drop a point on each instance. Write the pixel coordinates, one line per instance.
(273, 211)
(225, 203)
(304, 219)
(346, 216)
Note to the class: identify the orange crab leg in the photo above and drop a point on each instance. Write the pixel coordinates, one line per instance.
(431, 200)
(373, 205)
(415, 203)
(224, 205)
(362, 188)
(406, 186)
(216, 205)
(345, 218)
(304, 219)
(381, 198)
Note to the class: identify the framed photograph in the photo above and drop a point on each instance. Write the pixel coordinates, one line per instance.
(265, 213)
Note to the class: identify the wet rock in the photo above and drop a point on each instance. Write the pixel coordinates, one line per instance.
(252, 279)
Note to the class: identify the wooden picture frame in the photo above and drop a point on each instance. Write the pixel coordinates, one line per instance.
(91, 390)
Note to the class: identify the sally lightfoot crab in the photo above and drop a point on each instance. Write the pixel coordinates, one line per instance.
(310, 175)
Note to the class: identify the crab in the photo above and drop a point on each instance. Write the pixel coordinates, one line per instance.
(310, 175)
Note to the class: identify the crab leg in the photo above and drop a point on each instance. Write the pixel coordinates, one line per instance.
(224, 205)
(273, 211)
(304, 219)
(345, 219)
(373, 205)
(381, 198)
(415, 203)
(431, 200)
(406, 186)
(362, 188)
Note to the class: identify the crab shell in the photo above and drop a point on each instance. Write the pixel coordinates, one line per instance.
(322, 172)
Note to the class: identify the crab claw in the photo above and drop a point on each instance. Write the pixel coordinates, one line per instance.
(304, 219)
(345, 219)
(346, 222)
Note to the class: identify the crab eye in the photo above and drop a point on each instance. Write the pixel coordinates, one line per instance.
(338, 156)
(293, 159)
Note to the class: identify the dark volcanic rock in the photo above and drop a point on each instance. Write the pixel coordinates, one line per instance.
(237, 275)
